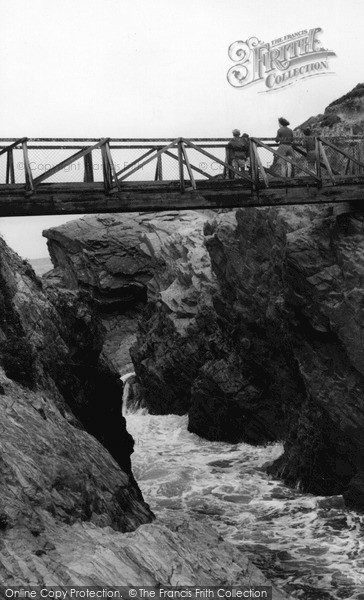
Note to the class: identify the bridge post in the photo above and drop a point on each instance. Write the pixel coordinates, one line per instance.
(180, 164)
(88, 168)
(253, 164)
(318, 160)
(29, 185)
(158, 170)
(107, 166)
(10, 174)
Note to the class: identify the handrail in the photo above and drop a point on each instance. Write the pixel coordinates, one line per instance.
(352, 138)
(14, 145)
(325, 169)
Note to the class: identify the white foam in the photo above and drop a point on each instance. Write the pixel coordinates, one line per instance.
(225, 485)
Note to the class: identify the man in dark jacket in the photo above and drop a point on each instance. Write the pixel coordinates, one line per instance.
(237, 151)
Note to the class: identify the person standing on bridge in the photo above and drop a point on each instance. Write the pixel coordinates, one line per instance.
(237, 152)
(285, 140)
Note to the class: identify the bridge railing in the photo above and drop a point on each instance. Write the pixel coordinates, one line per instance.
(331, 160)
(186, 163)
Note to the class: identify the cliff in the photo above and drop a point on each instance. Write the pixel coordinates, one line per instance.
(278, 353)
(69, 515)
(344, 116)
(114, 258)
(253, 328)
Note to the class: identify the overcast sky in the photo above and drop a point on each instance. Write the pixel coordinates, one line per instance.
(119, 68)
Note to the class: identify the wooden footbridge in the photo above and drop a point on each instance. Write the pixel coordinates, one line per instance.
(78, 176)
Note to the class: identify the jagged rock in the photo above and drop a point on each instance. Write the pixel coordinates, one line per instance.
(325, 448)
(54, 348)
(181, 553)
(278, 354)
(248, 259)
(115, 257)
(52, 470)
(229, 367)
(64, 503)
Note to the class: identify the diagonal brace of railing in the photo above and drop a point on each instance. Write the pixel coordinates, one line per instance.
(69, 161)
(285, 158)
(148, 160)
(13, 145)
(343, 152)
(304, 154)
(193, 167)
(136, 161)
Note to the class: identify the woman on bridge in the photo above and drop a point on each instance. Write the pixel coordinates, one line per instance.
(285, 139)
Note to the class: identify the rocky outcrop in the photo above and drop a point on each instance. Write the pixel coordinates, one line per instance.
(53, 472)
(66, 508)
(277, 354)
(56, 345)
(324, 449)
(114, 257)
(178, 553)
(344, 116)
(55, 387)
(68, 513)
(224, 368)
(253, 328)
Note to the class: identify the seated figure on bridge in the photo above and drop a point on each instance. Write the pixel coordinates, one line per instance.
(237, 152)
(285, 139)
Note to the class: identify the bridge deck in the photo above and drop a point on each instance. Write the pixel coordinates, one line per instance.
(47, 177)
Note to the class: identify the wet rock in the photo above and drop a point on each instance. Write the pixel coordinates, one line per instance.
(333, 502)
(180, 553)
(324, 448)
(52, 471)
(354, 495)
(56, 391)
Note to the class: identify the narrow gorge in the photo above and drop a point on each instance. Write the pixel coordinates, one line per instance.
(238, 334)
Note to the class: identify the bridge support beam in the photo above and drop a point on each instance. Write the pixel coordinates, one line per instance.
(67, 201)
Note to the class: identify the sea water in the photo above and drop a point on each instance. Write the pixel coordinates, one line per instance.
(311, 546)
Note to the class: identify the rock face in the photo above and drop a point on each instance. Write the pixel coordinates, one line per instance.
(225, 355)
(344, 116)
(113, 258)
(53, 472)
(324, 449)
(253, 328)
(180, 553)
(277, 354)
(56, 346)
(51, 391)
(66, 507)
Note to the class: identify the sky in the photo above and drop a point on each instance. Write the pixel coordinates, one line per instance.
(120, 68)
